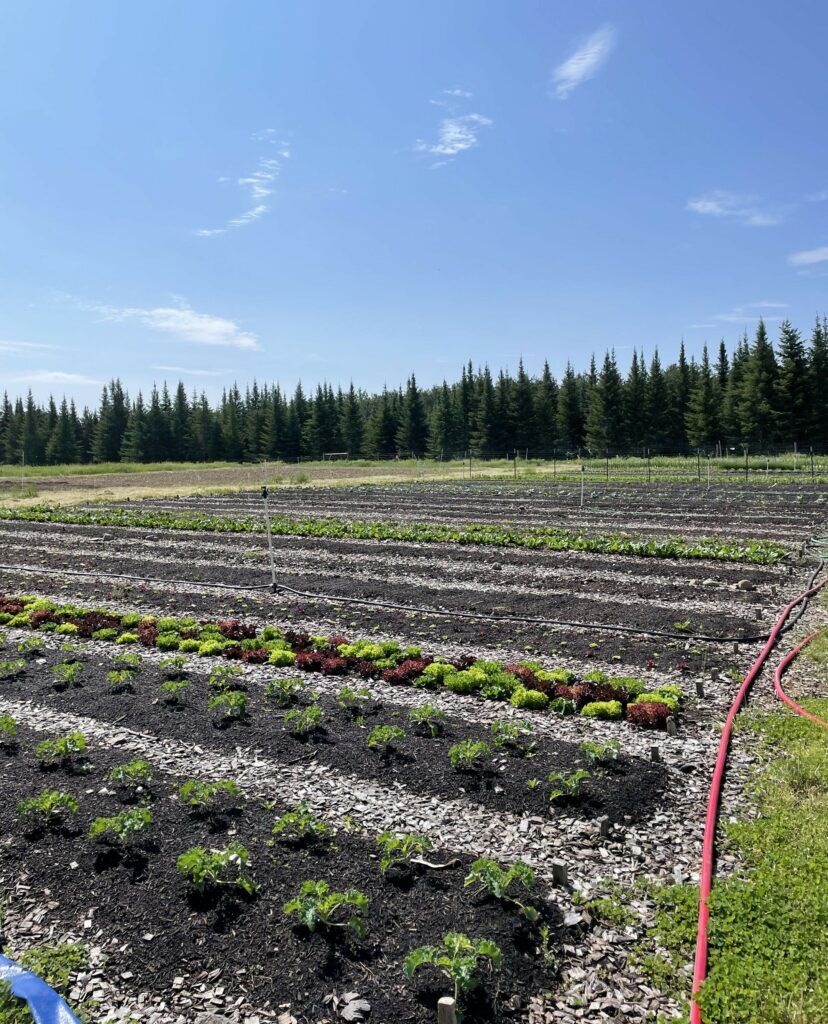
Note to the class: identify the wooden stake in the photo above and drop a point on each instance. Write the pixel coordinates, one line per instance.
(560, 875)
(446, 1011)
(672, 728)
(700, 688)
(655, 754)
(603, 827)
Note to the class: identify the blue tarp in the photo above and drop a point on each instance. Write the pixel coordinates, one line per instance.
(45, 1004)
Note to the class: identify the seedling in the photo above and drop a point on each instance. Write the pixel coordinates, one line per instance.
(64, 752)
(601, 753)
(132, 779)
(225, 678)
(11, 669)
(228, 706)
(48, 809)
(399, 850)
(213, 870)
(172, 692)
(457, 957)
(383, 738)
(306, 722)
(300, 826)
(128, 660)
(120, 680)
(352, 701)
(566, 785)
(283, 692)
(470, 755)
(67, 675)
(513, 736)
(30, 647)
(124, 830)
(427, 719)
(317, 907)
(211, 799)
(8, 732)
(174, 668)
(497, 882)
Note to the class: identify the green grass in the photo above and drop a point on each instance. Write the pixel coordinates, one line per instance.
(768, 961)
(545, 538)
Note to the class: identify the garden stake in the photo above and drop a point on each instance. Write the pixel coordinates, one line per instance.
(446, 1011)
(560, 874)
(655, 754)
(672, 728)
(269, 538)
(700, 687)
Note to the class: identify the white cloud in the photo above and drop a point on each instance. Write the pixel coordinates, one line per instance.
(747, 210)
(24, 346)
(54, 377)
(807, 257)
(584, 63)
(186, 371)
(460, 93)
(455, 135)
(742, 314)
(184, 323)
(817, 197)
(259, 185)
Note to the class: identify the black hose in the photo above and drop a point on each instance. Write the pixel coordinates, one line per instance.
(368, 602)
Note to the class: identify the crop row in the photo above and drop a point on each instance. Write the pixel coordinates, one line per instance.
(538, 538)
(525, 685)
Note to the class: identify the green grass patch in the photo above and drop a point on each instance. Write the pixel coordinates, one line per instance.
(545, 538)
(768, 961)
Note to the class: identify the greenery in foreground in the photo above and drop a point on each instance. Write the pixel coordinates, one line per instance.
(547, 538)
(54, 964)
(768, 961)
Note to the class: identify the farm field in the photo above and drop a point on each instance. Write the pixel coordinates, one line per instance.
(555, 707)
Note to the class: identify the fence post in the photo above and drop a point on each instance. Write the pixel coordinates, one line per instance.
(812, 464)
(747, 466)
(648, 466)
(698, 464)
(608, 465)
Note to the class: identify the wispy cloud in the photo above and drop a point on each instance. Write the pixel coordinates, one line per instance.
(54, 377)
(186, 371)
(25, 346)
(457, 132)
(750, 312)
(460, 93)
(182, 322)
(259, 185)
(744, 209)
(584, 63)
(817, 197)
(807, 257)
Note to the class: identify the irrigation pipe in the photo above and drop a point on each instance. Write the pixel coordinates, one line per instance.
(777, 682)
(388, 605)
(45, 1005)
(711, 818)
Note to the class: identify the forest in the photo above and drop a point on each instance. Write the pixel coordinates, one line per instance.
(762, 395)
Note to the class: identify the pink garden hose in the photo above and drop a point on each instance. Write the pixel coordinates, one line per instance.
(777, 683)
(708, 845)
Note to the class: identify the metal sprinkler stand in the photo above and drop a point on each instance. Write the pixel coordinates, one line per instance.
(269, 539)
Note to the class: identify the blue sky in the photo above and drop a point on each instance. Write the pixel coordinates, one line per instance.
(306, 189)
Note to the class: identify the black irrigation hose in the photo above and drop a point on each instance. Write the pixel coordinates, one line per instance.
(698, 637)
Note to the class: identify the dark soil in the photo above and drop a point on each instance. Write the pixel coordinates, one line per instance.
(631, 787)
(257, 951)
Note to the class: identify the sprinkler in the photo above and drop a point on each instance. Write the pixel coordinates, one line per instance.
(269, 539)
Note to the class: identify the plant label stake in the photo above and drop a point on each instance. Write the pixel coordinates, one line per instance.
(700, 687)
(446, 1011)
(560, 875)
(269, 539)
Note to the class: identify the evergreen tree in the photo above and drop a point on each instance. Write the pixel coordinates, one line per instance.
(570, 414)
(62, 446)
(757, 394)
(382, 429)
(134, 446)
(702, 418)
(353, 426)
(818, 385)
(792, 388)
(605, 416)
(546, 408)
(412, 429)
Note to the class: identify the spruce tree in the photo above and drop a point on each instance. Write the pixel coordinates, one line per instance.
(792, 388)
(412, 429)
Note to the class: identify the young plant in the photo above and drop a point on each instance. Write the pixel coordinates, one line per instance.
(215, 870)
(283, 692)
(11, 669)
(64, 752)
(457, 957)
(491, 878)
(48, 809)
(470, 755)
(601, 753)
(30, 647)
(305, 722)
(317, 907)
(225, 678)
(513, 736)
(120, 680)
(353, 702)
(210, 799)
(174, 668)
(128, 660)
(399, 850)
(566, 785)
(227, 706)
(67, 675)
(172, 691)
(383, 738)
(300, 826)
(8, 732)
(132, 779)
(124, 831)
(427, 719)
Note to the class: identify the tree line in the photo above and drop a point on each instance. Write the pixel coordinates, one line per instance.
(759, 395)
